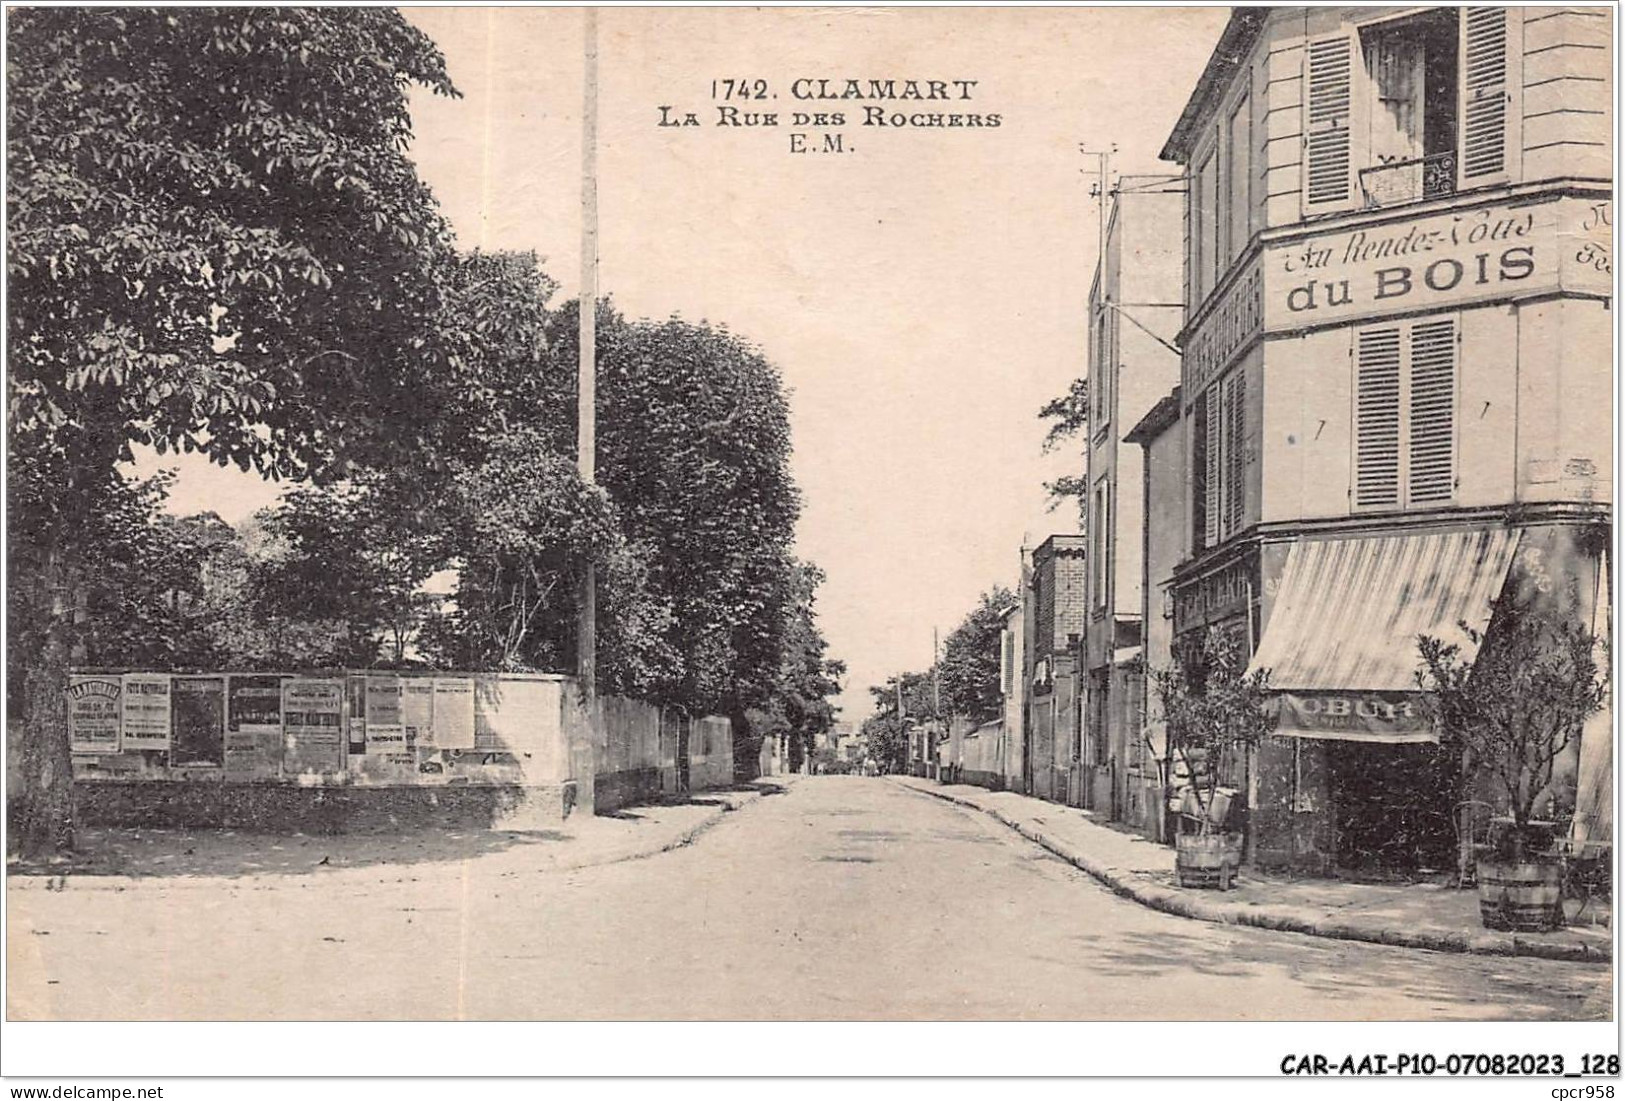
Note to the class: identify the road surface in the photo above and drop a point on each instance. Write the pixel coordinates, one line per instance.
(840, 897)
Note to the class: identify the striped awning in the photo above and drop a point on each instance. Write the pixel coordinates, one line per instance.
(1347, 612)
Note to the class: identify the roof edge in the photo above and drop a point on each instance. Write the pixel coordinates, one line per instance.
(1238, 37)
(1157, 420)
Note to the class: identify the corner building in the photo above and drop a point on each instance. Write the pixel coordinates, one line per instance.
(1395, 386)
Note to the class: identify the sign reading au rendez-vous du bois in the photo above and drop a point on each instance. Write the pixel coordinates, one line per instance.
(1451, 258)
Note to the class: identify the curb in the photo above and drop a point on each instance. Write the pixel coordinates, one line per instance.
(25, 881)
(1131, 886)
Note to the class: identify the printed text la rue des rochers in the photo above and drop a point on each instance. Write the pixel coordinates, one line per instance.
(819, 114)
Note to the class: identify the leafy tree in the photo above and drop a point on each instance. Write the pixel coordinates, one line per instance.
(801, 701)
(693, 449)
(1068, 417)
(242, 615)
(215, 242)
(341, 555)
(1518, 705)
(885, 733)
(1215, 711)
(971, 670)
(133, 602)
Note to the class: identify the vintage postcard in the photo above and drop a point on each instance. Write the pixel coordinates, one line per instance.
(1098, 515)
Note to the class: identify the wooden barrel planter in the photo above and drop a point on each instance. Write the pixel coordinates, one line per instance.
(1525, 897)
(1207, 860)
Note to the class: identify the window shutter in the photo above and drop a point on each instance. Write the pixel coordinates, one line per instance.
(1328, 104)
(1376, 418)
(1235, 446)
(1215, 450)
(1432, 443)
(1199, 477)
(1485, 97)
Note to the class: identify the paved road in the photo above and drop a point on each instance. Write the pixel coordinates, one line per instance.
(841, 897)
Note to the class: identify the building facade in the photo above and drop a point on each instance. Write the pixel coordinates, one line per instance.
(1011, 752)
(1136, 305)
(1396, 392)
(1055, 595)
(1162, 495)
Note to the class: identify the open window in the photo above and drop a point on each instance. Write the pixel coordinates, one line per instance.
(1412, 100)
(1406, 109)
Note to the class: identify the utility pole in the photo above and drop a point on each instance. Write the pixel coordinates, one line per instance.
(936, 680)
(587, 371)
(938, 728)
(1100, 190)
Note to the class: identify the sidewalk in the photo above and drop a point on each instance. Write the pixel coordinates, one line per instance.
(136, 859)
(1413, 916)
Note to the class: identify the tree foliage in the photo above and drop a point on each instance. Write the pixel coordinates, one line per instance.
(886, 732)
(1519, 704)
(694, 450)
(1214, 709)
(800, 704)
(215, 243)
(971, 670)
(1068, 418)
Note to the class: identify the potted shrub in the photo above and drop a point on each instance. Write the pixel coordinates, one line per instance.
(1215, 714)
(1513, 710)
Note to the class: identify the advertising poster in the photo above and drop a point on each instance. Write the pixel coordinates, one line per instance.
(417, 712)
(356, 716)
(313, 740)
(453, 720)
(386, 756)
(253, 726)
(146, 711)
(94, 711)
(487, 716)
(199, 738)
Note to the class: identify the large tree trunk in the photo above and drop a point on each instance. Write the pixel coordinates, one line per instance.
(44, 828)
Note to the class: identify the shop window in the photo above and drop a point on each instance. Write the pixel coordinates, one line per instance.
(1405, 414)
(1407, 109)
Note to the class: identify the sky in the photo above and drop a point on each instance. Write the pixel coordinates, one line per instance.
(923, 291)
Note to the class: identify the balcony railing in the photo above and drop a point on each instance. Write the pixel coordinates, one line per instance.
(1409, 181)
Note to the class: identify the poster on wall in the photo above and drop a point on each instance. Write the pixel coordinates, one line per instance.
(313, 740)
(94, 711)
(199, 735)
(417, 712)
(386, 756)
(356, 716)
(453, 720)
(146, 700)
(488, 716)
(253, 726)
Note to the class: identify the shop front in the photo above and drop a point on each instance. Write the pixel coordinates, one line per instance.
(1354, 777)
